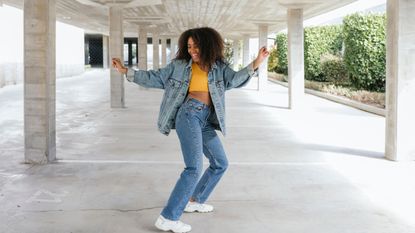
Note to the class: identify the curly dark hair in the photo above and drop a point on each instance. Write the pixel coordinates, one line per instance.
(210, 45)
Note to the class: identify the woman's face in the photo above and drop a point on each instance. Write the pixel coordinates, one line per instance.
(193, 50)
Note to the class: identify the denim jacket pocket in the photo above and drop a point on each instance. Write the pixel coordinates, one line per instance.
(174, 83)
(173, 87)
(220, 86)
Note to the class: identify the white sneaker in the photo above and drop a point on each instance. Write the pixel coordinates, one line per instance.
(169, 225)
(198, 207)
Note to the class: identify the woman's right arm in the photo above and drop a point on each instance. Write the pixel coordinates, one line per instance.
(149, 79)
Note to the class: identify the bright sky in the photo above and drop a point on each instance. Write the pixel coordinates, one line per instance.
(357, 6)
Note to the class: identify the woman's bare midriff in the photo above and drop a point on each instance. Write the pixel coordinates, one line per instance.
(201, 96)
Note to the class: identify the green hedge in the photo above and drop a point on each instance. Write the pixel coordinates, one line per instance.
(282, 53)
(363, 39)
(365, 51)
(317, 42)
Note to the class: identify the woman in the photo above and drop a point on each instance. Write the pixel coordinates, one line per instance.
(194, 105)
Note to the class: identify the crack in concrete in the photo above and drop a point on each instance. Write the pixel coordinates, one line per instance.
(117, 210)
(126, 210)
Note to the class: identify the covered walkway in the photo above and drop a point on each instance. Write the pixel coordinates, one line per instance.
(239, 21)
(319, 169)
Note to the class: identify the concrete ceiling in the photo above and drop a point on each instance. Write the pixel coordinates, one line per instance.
(232, 18)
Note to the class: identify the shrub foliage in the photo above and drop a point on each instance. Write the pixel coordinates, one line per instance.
(356, 52)
(273, 59)
(365, 50)
(319, 41)
(282, 53)
(334, 70)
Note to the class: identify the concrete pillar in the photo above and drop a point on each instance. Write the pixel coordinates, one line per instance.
(163, 52)
(105, 57)
(295, 58)
(39, 81)
(263, 68)
(142, 48)
(156, 50)
(116, 50)
(400, 80)
(246, 58)
(235, 54)
(173, 48)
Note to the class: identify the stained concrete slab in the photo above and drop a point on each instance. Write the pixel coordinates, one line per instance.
(316, 170)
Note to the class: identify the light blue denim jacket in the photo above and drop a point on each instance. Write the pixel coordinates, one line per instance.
(174, 79)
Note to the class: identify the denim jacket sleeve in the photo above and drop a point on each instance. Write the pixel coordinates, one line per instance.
(153, 78)
(237, 79)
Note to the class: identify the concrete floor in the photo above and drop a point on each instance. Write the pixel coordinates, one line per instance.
(320, 169)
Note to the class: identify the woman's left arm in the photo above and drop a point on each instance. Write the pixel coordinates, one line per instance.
(238, 79)
(145, 78)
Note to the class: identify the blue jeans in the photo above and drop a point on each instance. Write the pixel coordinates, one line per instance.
(197, 137)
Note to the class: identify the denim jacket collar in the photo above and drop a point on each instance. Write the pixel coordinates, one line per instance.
(189, 64)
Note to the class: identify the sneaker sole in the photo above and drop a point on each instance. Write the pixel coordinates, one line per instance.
(161, 228)
(167, 229)
(199, 211)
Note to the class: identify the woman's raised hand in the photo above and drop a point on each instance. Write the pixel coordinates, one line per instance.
(262, 54)
(116, 63)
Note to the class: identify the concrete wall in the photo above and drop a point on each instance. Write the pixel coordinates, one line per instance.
(11, 73)
(11, 46)
(69, 48)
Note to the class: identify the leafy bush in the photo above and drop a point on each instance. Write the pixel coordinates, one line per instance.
(365, 51)
(282, 53)
(272, 59)
(317, 42)
(334, 70)
(228, 51)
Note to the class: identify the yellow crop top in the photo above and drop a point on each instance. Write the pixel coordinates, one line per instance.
(199, 79)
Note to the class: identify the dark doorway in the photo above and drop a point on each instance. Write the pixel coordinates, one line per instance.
(130, 51)
(93, 50)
